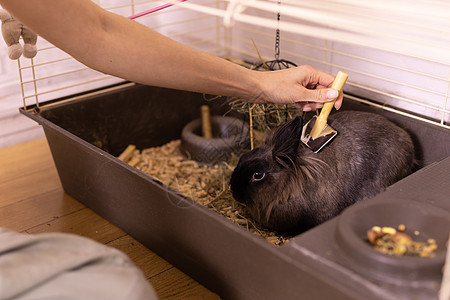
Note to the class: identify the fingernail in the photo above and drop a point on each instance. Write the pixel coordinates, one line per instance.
(306, 108)
(332, 94)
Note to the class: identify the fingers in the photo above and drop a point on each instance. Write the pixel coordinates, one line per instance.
(311, 106)
(306, 106)
(338, 102)
(314, 99)
(305, 86)
(320, 95)
(316, 78)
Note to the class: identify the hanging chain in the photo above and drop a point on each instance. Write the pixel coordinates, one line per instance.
(277, 35)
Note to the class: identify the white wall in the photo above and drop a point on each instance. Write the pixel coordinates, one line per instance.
(14, 127)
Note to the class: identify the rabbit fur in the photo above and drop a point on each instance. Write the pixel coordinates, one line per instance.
(288, 188)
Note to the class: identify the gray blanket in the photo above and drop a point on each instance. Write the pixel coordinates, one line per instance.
(65, 266)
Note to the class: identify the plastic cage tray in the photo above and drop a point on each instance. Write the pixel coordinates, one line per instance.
(330, 261)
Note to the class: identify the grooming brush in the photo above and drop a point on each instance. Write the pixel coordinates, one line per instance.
(317, 133)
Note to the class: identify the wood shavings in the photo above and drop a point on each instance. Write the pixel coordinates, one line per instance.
(205, 184)
(127, 153)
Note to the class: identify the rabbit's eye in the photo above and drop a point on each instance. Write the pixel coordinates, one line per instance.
(258, 175)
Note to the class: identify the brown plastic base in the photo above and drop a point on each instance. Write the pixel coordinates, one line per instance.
(85, 136)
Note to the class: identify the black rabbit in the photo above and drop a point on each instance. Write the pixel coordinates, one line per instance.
(288, 188)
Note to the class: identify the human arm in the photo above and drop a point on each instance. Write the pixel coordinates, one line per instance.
(118, 46)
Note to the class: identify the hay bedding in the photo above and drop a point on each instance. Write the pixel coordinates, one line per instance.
(205, 184)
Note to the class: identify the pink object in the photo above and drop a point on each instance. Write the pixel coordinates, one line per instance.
(152, 10)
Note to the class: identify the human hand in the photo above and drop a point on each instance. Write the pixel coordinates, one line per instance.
(305, 86)
(4, 15)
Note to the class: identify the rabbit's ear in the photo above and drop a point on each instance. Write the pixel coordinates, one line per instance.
(286, 141)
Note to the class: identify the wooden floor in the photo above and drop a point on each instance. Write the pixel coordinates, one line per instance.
(32, 201)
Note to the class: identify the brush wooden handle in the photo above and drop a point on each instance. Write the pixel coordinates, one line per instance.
(321, 121)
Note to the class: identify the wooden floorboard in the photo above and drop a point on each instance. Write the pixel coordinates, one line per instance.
(36, 210)
(28, 185)
(32, 201)
(151, 264)
(29, 157)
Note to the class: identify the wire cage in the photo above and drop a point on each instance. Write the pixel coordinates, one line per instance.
(53, 73)
(397, 56)
(397, 59)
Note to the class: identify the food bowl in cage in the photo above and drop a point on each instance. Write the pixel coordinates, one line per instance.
(418, 256)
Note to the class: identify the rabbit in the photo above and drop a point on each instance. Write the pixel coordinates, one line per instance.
(288, 188)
